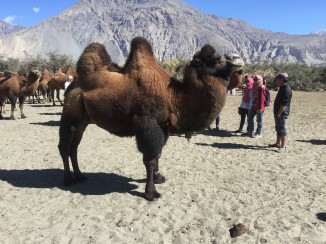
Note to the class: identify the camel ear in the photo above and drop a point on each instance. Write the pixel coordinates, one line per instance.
(196, 62)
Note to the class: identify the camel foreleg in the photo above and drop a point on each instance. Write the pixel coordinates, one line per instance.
(150, 139)
(150, 190)
(21, 106)
(158, 177)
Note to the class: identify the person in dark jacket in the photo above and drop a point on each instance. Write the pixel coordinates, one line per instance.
(282, 106)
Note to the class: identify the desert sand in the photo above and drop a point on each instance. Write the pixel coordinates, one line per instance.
(213, 182)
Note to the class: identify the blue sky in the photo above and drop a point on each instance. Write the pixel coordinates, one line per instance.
(289, 16)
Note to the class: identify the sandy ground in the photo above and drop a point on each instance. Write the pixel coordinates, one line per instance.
(213, 182)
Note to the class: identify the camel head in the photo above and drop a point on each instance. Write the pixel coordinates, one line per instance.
(34, 75)
(71, 72)
(227, 66)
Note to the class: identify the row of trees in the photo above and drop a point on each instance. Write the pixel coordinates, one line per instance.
(53, 62)
(301, 76)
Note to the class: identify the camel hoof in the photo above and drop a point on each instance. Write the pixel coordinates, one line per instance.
(79, 178)
(12, 118)
(152, 196)
(158, 178)
(68, 180)
(23, 117)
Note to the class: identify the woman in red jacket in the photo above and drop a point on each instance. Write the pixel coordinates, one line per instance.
(257, 107)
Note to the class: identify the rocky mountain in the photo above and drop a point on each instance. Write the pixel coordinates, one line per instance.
(321, 32)
(6, 28)
(175, 29)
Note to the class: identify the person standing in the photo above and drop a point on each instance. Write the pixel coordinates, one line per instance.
(245, 104)
(217, 122)
(281, 110)
(257, 107)
(68, 82)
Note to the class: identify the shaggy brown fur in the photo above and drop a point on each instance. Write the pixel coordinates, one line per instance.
(143, 101)
(13, 86)
(57, 83)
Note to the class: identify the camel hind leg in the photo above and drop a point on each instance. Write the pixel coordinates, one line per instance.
(65, 141)
(73, 123)
(77, 136)
(58, 97)
(70, 137)
(2, 106)
(13, 101)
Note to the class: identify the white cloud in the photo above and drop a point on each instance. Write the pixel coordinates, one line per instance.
(10, 19)
(36, 10)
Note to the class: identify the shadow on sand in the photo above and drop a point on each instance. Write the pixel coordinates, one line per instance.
(55, 113)
(42, 105)
(47, 123)
(97, 183)
(314, 141)
(234, 146)
(214, 132)
(321, 216)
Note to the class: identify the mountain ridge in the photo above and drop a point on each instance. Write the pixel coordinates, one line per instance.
(175, 29)
(7, 29)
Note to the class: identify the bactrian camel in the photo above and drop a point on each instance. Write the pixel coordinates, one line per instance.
(57, 82)
(13, 87)
(44, 84)
(143, 101)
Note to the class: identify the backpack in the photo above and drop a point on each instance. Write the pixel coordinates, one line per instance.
(268, 100)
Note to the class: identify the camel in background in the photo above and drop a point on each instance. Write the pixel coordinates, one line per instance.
(58, 81)
(43, 87)
(12, 86)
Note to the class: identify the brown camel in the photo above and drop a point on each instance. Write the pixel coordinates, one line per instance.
(143, 101)
(57, 83)
(43, 86)
(13, 87)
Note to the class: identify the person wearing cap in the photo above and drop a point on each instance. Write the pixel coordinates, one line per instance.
(281, 110)
(257, 107)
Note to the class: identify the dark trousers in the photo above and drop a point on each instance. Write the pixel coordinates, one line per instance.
(243, 114)
(217, 121)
